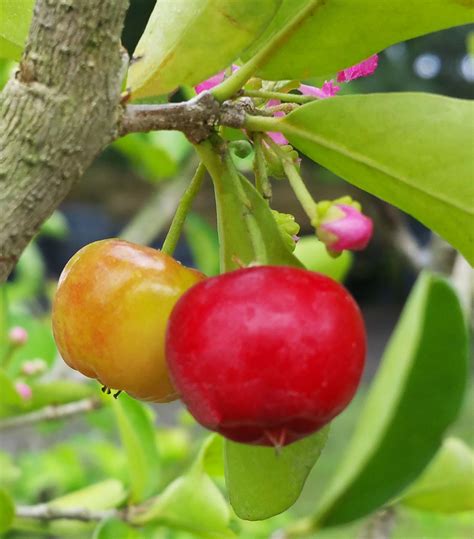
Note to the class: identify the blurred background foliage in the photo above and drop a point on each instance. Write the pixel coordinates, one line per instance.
(132, 190)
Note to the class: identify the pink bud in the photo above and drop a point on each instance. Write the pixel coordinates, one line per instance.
(212, 81)
(345, 227)
(364, 69)
(24, 390)
(277, 137)
(329, 89)
(34, 366)
(18, 336)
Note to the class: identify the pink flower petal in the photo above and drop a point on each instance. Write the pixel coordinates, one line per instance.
(329, 89)
(278, 138)
(213, 81)
(364, 69)
(18, 335)
(346, 229)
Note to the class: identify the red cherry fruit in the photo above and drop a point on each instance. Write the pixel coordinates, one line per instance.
(266, 355)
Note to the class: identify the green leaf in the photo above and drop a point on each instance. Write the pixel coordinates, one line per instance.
(240, 206)
(7, 511)
(314, 255)
(155, 155)
(9, 397)
(341, 33)
(415, 396)
(193, 503)
(187, 41)
(203, 243)
(15, 17)
(262, 482)
(104, 495)
(411, 150)
(211, 456)
(447, 484)
(113, 528)
(138, 437)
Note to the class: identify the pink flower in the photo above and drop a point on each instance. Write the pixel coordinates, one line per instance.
(329, 89)
(24, 390)
(212, 81)
(364, 69)
(345, 227)
(278, 138)
(17, 336)
(33, 367)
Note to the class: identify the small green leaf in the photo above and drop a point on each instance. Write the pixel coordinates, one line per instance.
(104, 495)
(7, 511)
(314, 255)
(187, 41)
(15, 17)
(211, 456)
(415, 396)
(342, 33)
(262, 482)
(447, 484)
(409, 149)
(138, 437)
(113, 528)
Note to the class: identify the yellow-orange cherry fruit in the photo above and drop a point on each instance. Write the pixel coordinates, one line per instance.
(110, 314)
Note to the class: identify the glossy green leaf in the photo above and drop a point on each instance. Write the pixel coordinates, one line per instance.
(415, 396)
(15, 17)
(138, 437)
(409, 149)
(341, 33)
(262, 482)
(315, 257)
(7, 511)
(193, 503)
(239, 206)
(204, 244)
(447, 484)
(113, 528)
(187, 41)
(104, 495)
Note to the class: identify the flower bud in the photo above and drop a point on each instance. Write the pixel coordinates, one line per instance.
(24, 390)
(213, 81)
(343, 226)
(17, 336)
(33, 367)
(288, 228)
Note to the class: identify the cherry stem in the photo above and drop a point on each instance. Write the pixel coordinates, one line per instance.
(230, 87)
(262, 183)
(296, 181)
(176, 227)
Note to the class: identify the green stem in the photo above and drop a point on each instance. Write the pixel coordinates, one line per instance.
(262, 123)
(296, 181)
(262, 183)
(176, 227)
(219, 164)
(234, 83)
(280, 96)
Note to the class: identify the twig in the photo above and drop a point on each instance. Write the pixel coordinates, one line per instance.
(196, 117)
(50, 413)
(48, 512)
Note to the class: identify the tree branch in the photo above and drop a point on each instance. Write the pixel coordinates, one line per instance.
(50, 413)
(48, 512)
(197, 118)
(57, 113)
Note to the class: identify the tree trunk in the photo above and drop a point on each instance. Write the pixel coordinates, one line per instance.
(57, 113)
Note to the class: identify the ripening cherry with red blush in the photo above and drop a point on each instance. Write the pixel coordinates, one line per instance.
(266, 355)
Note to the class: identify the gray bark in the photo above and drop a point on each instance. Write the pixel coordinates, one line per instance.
(57, 113)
